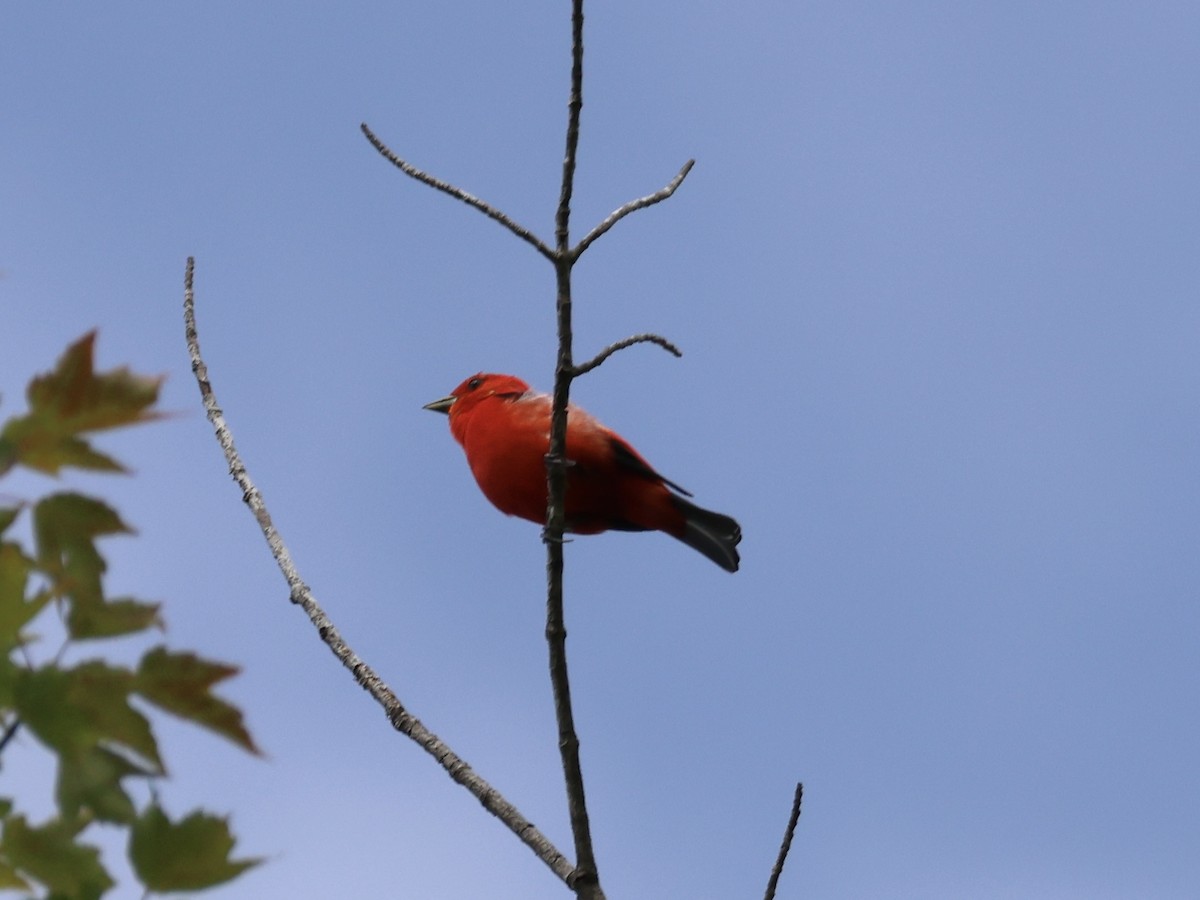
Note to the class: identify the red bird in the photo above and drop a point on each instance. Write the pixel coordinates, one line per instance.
(504, 427)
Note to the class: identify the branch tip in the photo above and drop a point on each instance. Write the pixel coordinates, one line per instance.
(786, 846)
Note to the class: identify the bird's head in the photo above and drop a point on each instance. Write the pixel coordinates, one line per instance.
(475, 390)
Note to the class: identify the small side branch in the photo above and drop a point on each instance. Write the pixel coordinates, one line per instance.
(402, 720)
(787, 843)
(633, 206)
(608, 351)
(458, 193)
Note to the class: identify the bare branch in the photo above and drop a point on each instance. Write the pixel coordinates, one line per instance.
(608, 351)
(587, 885)
(402, 720)
(633, 206)
(484, 207)
(787, 843)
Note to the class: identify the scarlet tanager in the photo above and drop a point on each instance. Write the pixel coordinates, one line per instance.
(504, 427)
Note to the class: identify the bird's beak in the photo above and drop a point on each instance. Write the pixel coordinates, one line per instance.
(442, 406)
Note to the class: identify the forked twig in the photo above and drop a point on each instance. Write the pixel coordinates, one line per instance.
(787, 842)
(470, 199)
(402, 720)
(608, 351)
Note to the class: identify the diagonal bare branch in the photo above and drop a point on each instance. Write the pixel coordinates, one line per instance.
(787, 843)
(621, 345)
(402, 720)
(633, 206)
(471, 200)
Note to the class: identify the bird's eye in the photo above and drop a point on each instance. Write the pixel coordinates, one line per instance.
(474, 383)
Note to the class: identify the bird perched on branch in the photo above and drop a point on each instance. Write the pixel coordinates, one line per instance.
(504, 427)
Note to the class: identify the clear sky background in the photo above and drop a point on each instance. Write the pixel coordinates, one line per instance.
(936, 277)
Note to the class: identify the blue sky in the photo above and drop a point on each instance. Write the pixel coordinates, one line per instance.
(935, 276)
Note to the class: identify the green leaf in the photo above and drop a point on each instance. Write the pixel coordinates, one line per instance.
(89, 783)
(180, 683)
(91, 619)
(8, 515)
(15, 610)
(65, 527)
(73, 400)
(30, 441)
(186, 856)
(49, 854)
(74, 710)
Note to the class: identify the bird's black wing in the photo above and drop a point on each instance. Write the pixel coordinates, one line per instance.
(626, 458)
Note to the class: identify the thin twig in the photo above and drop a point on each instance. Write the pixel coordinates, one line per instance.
(633, 206)
(562, 216)
(9, 732)
(402, 720)
(483, 206)
(787, 842)
(608, 351)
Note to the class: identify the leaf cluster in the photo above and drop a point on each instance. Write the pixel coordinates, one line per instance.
(92, 716)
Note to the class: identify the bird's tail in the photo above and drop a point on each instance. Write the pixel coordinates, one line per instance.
(711, 533)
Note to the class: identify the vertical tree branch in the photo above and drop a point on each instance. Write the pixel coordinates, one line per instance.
(562, 217)
(586, 881)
